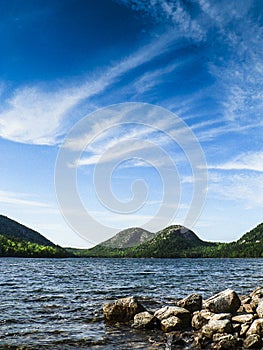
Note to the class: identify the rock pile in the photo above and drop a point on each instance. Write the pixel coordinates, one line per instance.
(224, 321)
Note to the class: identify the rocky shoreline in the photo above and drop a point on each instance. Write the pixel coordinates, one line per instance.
(224, 321)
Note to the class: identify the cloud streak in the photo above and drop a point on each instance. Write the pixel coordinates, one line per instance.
(36, 115)
(175, 13)
(16, 198)
(252, 161)
(245, 188)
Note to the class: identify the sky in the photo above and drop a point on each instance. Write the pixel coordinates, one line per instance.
(121, 113)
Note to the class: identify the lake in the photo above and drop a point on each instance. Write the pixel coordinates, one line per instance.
(57, 303)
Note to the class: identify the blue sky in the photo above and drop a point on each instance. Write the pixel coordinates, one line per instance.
(199, 60)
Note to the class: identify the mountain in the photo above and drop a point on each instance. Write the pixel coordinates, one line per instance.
(253, 236)
(172, 241)
(250, 245)
(17, 240)
(14, 229)
(177, 242)
(128, 238)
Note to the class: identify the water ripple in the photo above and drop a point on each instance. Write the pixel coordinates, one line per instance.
(57, 303)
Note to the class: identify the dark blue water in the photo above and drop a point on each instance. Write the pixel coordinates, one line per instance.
(57, 303)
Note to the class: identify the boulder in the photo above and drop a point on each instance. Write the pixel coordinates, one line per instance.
(122, 310)
(248, 308)
(200, 342)
(226, 301)
(180, 312)
(258, 292)
(256, 327)
(217, 326)
(171, 323)
(254, 304)
(244, 318)
(245, 299)
(145, 320)
(236, 327)
(224, 342)
(192, 302)
(244, 328)
(253, 341)
(256, 298)
(175, 340)
(200, 318)
(259, 309)
(222, 316)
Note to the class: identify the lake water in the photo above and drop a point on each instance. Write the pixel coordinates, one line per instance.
(57, 303)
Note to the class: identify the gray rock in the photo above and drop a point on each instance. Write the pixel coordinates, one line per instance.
(224, 342)
(200, 342)
(217, 326)
(244, 328)
(254, 304)
(236, 328)
(259, 309)
(122, 310)
(244, 318)
(256, 298)
(167, 311)
(200, 318)
(222, 316)
(248, 308)
(252, 341)
(171, 323)
(226, 301)
(256, 327)
(175, 340)
(258, 292)
(245, 299)
(145, 320)
(192, 302)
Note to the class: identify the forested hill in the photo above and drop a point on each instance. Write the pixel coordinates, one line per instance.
(14, 229)
(17, 240)
(172, 242)
(128, 238)
(255, 235)
(179, 242)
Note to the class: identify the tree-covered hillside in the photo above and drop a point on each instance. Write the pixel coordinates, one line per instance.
(11, 228)
(17, 240)
(179, 242)
(14, 247)
(171, 242)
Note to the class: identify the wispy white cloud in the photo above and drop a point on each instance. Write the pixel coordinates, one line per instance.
(36, 114)
(174, 13)
(240, 74)
(16, 198)
(231, 128)
(151, 79)
(245, 188)
(134, 163)
(132, 144)
(122, 148)
(224, 12)
(249, 161)
(114, 134)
